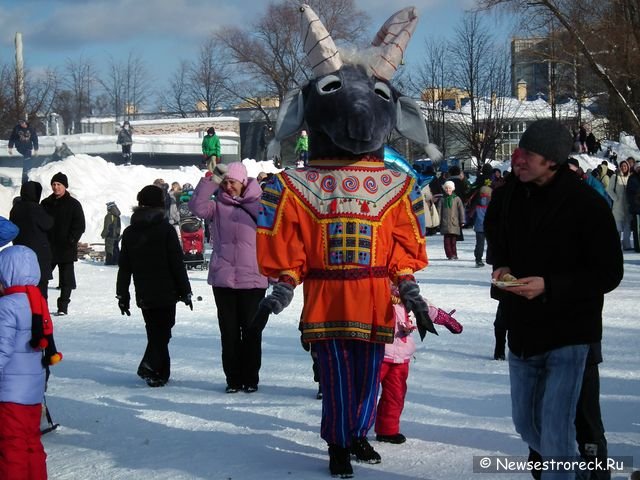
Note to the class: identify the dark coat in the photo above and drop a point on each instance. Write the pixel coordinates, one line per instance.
(564, 232)
(24, 139)
(34, 223)
(151, 252)
(67, 229)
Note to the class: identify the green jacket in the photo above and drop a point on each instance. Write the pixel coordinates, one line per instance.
(211, 145)
(302, 145)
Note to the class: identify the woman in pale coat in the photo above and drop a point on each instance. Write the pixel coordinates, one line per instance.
(451, 212)
(617, 190)
(237, 284)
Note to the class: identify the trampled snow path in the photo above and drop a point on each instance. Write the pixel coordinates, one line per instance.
(115, 427)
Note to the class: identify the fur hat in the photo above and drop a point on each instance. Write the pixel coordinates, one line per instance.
(548, 138)
(151, 196)
(237, 171)
(449, 183)
(60, 178)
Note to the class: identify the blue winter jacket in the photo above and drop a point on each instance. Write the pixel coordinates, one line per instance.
(22, 376)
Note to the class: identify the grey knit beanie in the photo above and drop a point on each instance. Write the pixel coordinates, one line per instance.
(548, 138)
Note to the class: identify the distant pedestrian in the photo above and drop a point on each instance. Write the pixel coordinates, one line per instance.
(451, 212)
(125, 140)
(211, 149)
(25, 140)
(302, 149)
(111, 234)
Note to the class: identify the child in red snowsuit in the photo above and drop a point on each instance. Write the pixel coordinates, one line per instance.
(395, 368)
(22, 366)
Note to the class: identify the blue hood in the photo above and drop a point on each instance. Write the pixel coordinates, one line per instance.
(19, 266)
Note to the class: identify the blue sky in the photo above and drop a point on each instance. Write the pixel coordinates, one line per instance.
(163, 32)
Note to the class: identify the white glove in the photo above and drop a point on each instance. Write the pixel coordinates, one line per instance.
(219, 172)
(11, 151)
(35, 153)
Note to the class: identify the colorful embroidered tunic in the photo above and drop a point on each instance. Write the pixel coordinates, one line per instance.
(344, 228)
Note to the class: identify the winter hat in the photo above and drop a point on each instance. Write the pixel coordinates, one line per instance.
(548, 138)
(60, 178)
(449, 183)
(237, 171)
(574, 162)
(151, 196)
(8, 231)
(211, 131)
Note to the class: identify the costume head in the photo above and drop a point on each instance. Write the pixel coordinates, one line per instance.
(350, 107)
(548, 138)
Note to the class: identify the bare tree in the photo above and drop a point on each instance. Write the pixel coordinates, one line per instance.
(430, 85)
(113, 85)
(176, 98)
(482, 71)
(266, 56)
(127, 85)
(207, 78)
(79, 79)
(606, 34)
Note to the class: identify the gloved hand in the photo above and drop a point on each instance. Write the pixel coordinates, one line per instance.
(279, 298)
(11, 151)
(413, 301)
(219, 172)
(123, 303)
(34, 153)
(305, 345)
(187, 301)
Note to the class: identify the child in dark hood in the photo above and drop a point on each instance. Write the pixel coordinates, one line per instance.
(34, 224)
(111, 234)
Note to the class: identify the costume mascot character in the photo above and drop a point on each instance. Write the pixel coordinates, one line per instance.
(346, 224)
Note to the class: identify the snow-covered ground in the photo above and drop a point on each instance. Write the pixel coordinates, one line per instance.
(115, 427)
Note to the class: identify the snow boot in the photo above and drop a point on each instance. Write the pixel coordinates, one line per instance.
(340, 462)
(397, 438)
(364, 452)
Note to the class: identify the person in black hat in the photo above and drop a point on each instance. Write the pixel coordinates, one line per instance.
(555, 240)
(151, 253)
(68, 227)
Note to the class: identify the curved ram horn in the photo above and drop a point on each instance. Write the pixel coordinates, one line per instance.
(318, 44)
(391, 40)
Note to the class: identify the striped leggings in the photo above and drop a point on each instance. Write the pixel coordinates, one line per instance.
(350, 378)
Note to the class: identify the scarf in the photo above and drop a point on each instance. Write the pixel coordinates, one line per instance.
(41, 323)
(448, 200)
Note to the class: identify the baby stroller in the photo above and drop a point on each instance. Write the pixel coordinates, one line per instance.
(192, 235)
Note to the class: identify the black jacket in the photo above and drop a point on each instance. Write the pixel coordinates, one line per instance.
(67, 229)
(24, 139)
(564, 232)
(151, 252)
(34, 223)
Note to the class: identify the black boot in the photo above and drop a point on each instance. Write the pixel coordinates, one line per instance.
(340, 462)
(364, 452)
